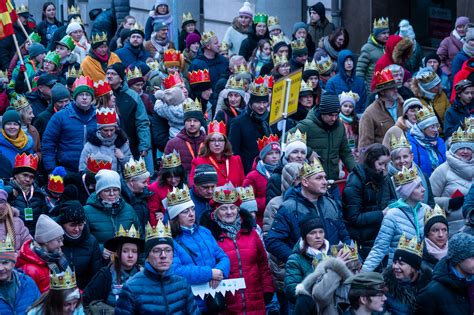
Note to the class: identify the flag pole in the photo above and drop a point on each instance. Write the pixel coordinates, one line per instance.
(24, 31)
(21, 61)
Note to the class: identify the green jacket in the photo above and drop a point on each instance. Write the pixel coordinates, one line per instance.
(297, 268)
(329, 143)
(14, 87)
(369, 54)
(103, 224)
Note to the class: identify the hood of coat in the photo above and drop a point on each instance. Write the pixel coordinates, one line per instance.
(459, 167)
(208, 221)
(27, 256)
(443, 275)
(120, 140)
(341, 58)
(402, 51)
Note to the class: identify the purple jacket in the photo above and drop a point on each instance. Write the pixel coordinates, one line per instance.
(178, 143)
(447, 50)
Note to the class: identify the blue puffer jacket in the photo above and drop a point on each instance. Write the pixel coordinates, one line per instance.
(151, 293)
(10, 151)
(400, 219)
(421, 156)
(216, 66)
(65, 136)
(130, 55)
(343, 83)
(285, 231)
(458, 61)
(26, 294)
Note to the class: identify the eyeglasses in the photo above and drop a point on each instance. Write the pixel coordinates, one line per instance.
(217, 141)
(159, 251)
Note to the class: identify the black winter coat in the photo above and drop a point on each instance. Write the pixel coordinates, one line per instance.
(159, 131)
(84, 254)
(6, 169)
(363, 201)
(105, 22)
(38, 104)
(250, 43)
(99, 287)
(41, 121)
(41, 29)
(138, 202)
(274, 183)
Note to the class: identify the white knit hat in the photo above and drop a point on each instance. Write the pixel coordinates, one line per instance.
(47, 229)
(246, 9)
(290, 147)
(72, 27)
(409, 103)
(107, 179)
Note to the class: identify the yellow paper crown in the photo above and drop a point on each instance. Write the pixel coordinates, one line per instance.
(73, 10)
(159, 231)
(463, 135)
(298, 44)
(154, 65)
(132, 232)
(381, 23)
(399, 143)
(241, 69)
(324, 65)
(171, 160)
(280, 38)
(187, 17)
(310, 65)
(72, 72)
(226, 194)
(235, 84)
(246, 193)
(296, 136)
(77, 19)
(3, 74)
(206, 37)
(6, 245)
(350, 94)
(411, 246)
(272, 21)
(277, 60)
(223, 46)
(405, 176)
(308, 170)
(259, 89)
(134, 168)
(137, 27)
(346, 249)
(22, 9)
(469, 122)
(305, 87)
(192, 106)
(178, 196)
(99, 37)
(426, 76)
(64, 280)
(424, 113)
(134, 73)
(435, 212)
(20, 102)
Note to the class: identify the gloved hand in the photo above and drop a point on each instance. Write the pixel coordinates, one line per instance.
(456, 203)
(22, 68)
(268, 297)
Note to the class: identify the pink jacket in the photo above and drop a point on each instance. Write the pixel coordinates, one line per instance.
(447, 50)
(21, 232)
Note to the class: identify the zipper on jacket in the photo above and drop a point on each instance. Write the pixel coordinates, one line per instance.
(84, 139)
(244, 304)
(167, 309)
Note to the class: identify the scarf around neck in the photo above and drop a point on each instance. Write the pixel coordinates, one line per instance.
(434, 250)
(265, 169)
(108, 142)
(160, 45)
(468, 49)
(427, 144)
(230, 228)
(56, 262)
(329, 49)
(20, 142)
(346, 119)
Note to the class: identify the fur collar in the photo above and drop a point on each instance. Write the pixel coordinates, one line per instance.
(402, 51)
(406, 293)
(207, 220)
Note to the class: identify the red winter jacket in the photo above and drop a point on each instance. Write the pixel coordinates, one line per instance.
(236, 170)
(259, 185)
(462, 74)
(154, 202)
(248, 259)
(33, 266)
(178, 143)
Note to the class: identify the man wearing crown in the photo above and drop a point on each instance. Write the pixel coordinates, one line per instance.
(99, 58)
(133, 51)
(157, 289)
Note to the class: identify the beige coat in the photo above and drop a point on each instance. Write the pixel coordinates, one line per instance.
(397, 130)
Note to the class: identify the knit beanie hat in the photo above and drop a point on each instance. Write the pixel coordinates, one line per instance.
(246, 10)
(408, 257)
(205, 174)
(308, 223)
(292, 146)
(271, 146)
(47, 80)
(299, 50)
(150, 243)
(430, 56)
(410, 103)
(107, 179)
(462, 20)
(427, 122)
(427, 79)
(47, 229)
(289, 174)
(404, 191)
(319, 9)
(191, 39)
(72, 27)
(299, 25)
(71, 211)
(124, 34)
(461, 247)
(379, 30)
(35, 50)
(161, 2)
(119, 68)
(158, 26)
(3, 193)
(432, 221)
(11, 115)
(329, 104)
(59, 92)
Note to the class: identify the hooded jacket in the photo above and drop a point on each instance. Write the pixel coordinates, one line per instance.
(370, 53)
(26, 293)
(466, 72)
(447, 51)
(33, 266)
(10, 151)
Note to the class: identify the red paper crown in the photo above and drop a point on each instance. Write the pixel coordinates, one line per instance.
(263, 142)
(217, 127)
(383, 77)
(172, 80)
(199, 76)
(172, 57)
(26, 160)
(56, 184)
(106, 116)
(267, 80)
(83, 80)
(101, 88)
(94, 166)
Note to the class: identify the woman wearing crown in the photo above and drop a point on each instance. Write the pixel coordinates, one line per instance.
(436, 232)
(235, 101)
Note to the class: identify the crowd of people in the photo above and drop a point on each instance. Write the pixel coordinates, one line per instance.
(137, 172)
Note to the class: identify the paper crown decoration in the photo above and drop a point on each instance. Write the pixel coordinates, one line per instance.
(22, 9)
(437, 211)
(178, 196)
(426, 75)
(187, 17)
(199, 76)
(399, 143)
(20, 102)
(226, 194)
(7, 245)
(26, 160)
(74, 72)
(106, 116)
(305, 87)
(35, 37)
(410, 246)
(64, 280)
(172, 58)
(99, 38)
(95, 165)
(405, 176)
(424, 113)
(159, 231)
(460, 135)
(217, 127)
(309, 169)
(68, 42)
(263, 142)
(223, 46)
(260, 18)
(137, 27)
(280, 38)
(265, 80)
(310, 66)
(381, 23)
(272, 21)
(102, 88)
(383, 78)
(235, 84)
(246, 193)
(73, 10)
(171, 160)
(56, 180)
(192, 106)
(132, 232)
(350, 94)
(134, 73)
(243, 68)
(469, 122)
(77, 19)
(353, 251)
(206, 37)
(3, 74)
(134, 168)
(279, 60)
(296, 136)
(258, 89)
(298, 44)
(324, 65)
(154, 65)
(53, 57)
(83, 81)
(173, 79)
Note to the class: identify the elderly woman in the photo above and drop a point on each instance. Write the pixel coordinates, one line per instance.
(436, 237)
(197, 256)
(452, 180)
(13, 139)
(405, 216)
(23, 108)
(428, 148)
(404, 123)
(233, 229)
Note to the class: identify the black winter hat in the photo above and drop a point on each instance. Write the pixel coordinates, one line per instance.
(71, 211)
(308, 223)
(319, 9)
(329, 104)
(205, 174)
(119, 68)
(408, 257)
(432, 221)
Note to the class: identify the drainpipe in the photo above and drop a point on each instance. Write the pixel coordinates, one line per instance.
(174, 8)
(336, 13)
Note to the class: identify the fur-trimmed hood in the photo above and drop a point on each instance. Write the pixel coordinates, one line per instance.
(208, 221)
(402, 51)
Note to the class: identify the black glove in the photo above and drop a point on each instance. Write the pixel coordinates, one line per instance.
(268, 297)
(456, 203)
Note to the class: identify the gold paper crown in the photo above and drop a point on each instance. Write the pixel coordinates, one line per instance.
(273, 20)
(154, 65)
(235, 84)
(246, 193)
(426, 76)
(64, 280)
(178, 196)
(346, 249)
(223, 46)
(134, 168)
(298, 44)
(280, 38)
(381, 23)
(187, 17)
(206, 37)
(3, 74)
(405, 176)
(6, 245)
(277, 60)
(192, 106)
(20, 102)
(296, 136)
(226, 194)
(99, 37)
(462, 135)
(72, 72)
(159, 231)
(324, 65)
(132, 232)
(134, 73)
(73, 10)
(241, 69)
(171, 160)
(350, 94)
(424, 113)
(469, 122)
(310, 66)
(308, 170)
(399, 143)
(411, 246)
(305, 87)
(435, 212)
(76, 20)
(22, 9)
(137, 27)
(258, 89)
